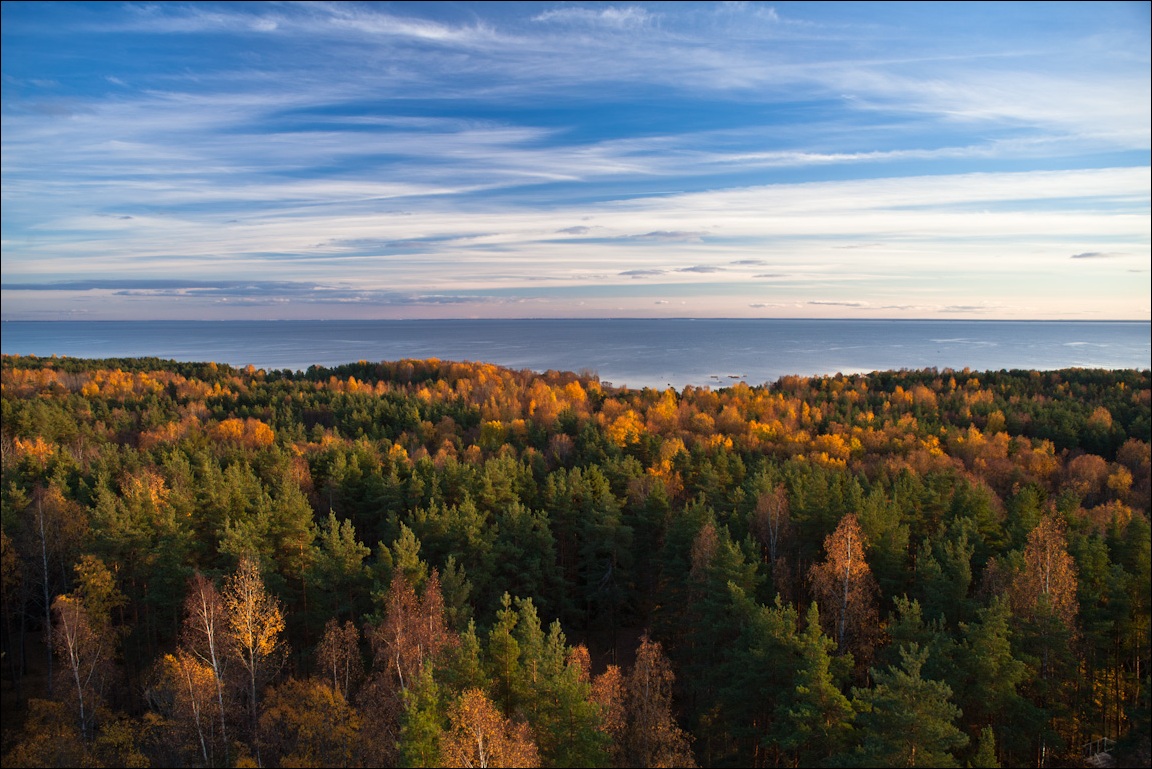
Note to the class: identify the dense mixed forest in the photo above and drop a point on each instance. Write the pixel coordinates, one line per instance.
(423, 562)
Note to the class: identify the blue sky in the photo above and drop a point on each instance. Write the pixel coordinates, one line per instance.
(414, 160)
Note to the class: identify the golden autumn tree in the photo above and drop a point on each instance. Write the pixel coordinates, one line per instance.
(307, 723)
(96, 588)
(846, 590)
(254, 623)
(1049, 574)
(48, 739)
(479, 735)
(195, 709)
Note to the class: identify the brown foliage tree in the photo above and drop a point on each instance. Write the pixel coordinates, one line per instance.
(1049, 574)
(338, 657)
(413, 631)
(54, 528)
(1085, 477)
(770, 520)
(608, 693)
(651, 736)
(86, 655)
(846, 590)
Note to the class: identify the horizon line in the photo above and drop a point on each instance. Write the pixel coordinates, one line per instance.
(573, 317)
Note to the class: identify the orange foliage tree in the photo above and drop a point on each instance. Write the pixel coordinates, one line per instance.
(846, 590)
(480, 736)
(1049, 574)
(654, 738)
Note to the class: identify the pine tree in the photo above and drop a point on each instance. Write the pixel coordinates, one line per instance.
(989, 679)
(504, 656)
(905, 720)
(422, 725)
(985, 755)
(815, 720)
(758, 677)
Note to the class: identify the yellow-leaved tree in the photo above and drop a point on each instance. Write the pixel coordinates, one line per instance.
(255, 621)
(195, 705)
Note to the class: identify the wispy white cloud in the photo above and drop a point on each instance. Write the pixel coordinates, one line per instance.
(1115, 110)
(615, 17)
(827, 303)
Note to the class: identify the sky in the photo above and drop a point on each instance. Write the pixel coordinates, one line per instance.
(455, 160)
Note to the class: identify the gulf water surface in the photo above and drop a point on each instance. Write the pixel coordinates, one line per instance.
(632, 352)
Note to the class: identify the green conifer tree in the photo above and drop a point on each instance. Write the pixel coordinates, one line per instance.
(905, 720)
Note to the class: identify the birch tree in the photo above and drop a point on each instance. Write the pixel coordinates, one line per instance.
(205, 638)
(846, 591)
(254, 623)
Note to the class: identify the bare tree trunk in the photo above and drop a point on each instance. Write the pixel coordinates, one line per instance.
(47, 588)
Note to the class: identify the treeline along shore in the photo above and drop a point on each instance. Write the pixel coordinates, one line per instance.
(423, 562)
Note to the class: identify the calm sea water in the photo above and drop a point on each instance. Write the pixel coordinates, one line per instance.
(636, 353)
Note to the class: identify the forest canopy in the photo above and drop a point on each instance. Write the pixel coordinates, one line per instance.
(423, 562)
